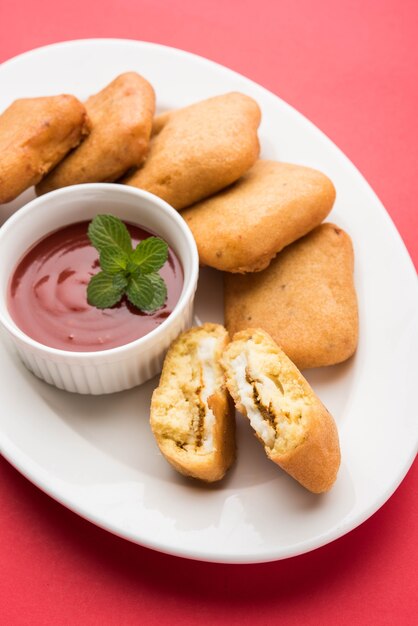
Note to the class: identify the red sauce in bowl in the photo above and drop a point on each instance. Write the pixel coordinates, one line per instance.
(47, 296)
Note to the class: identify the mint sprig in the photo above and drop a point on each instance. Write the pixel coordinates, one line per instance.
(107, 231)
(145, 291)
(103, 291)
(125, 270)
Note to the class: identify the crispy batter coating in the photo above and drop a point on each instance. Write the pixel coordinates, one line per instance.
(121, 116)
(296, 430)
(198, 150)
(35, 134)
(243, 227)
(192, 415)
(305, 299)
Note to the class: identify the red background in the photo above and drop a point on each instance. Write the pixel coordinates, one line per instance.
(350, 67)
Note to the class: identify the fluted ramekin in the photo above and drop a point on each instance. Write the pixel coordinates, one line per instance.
(115, 369)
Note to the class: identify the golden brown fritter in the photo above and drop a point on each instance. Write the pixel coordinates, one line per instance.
(192, 416)
(243, 227)
(121, 116)
(35, 135)
(296, 430)
(305, 299)
(198, 150)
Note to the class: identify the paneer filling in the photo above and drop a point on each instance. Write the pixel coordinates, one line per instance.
(206, 353)
(273, 401)
(183, 413)
(248, 395)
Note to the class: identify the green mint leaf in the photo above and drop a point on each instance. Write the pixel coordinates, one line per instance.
(120, 280)
(113, 260)
(132, 267)
(150, 255)
(147, 292)
(139, 291)
(159, 289)
(109, 231)
(124, 270)
(103, 291)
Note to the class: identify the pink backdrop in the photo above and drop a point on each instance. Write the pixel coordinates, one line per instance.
(350, 67)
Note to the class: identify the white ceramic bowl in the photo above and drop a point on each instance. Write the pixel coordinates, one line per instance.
(118, 368)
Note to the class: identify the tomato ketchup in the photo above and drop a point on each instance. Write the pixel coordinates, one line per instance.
(47, 294)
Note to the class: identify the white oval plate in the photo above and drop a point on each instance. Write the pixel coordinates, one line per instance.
(96, 455)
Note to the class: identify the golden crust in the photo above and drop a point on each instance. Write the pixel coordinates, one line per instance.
(175, 405)
(159, 122)
(121, 116)
(305, 299)
(243, 227)
(198, 150)
(35, 134)
(310, 452)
